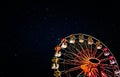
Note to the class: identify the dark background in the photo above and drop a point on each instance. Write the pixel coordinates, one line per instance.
(32, 29)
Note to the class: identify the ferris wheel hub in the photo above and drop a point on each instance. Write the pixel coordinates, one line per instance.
(94, 60)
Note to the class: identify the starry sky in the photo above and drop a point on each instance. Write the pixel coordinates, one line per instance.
(33, 29)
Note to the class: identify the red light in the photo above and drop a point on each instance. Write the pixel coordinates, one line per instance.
(111, 57)
(89, 74)
(103, 75)
(104, 49)
(101, 60)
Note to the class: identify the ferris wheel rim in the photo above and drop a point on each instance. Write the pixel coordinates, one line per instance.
(93, 38)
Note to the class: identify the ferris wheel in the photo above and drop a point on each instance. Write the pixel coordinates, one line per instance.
(82, 55)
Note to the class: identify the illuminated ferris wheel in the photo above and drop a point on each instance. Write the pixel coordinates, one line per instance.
(81, 55)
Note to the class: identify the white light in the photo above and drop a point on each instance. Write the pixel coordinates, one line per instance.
(106, 53)
(72, 41)
(112, 62)
(99, 46)
(90, 42)
(81, 40)
(57, 54)
(55, 66)
(64, 45)
(117, 72)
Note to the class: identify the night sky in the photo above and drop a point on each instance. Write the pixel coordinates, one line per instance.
(33, 29)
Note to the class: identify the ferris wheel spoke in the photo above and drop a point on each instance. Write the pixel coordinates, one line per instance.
(94, 51)
(75, 64)
(70, 53)
(81, 47)
(100, 55)
(70, 62)
(93, 72)
(107, 71)
(77, 46)
(80, 73)
(73, 56)
(71, 48)
(85, 45)
(110, 73)
(67, 63)
(68, 56)
(78, 51)
(104, 60)
(73, 52)
(72, 69)
(96, 72)
(68, 75)
(84, 53)
(107, 66)
(77, 56)
(84, 56)
(90, 51)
